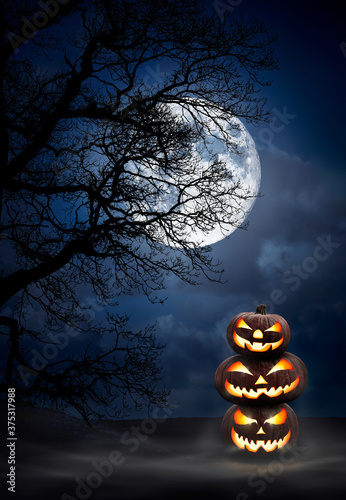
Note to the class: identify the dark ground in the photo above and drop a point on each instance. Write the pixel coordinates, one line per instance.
(180, 457)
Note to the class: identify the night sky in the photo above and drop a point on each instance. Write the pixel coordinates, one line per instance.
(292, 255)
(291, 258)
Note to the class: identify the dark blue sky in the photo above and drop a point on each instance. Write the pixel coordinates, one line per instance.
(292, 255)
(293, 251)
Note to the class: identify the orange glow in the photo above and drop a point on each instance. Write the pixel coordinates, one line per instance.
(278, 419)
(257, 334)
(254, 394)
(236, 440)
(294, 384)
(241, 419)
(253, 446)
(238, 367)
(241, 324)
(260, 431)
(274, 328)
(256, 346)
(261, 380)
(283, 364)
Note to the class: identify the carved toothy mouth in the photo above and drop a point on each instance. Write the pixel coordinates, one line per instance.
(254, 394)
(256, 346)
(253, 446)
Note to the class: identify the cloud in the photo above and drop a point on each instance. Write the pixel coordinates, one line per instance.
(190, 361)
(298, 209)
(279, 256)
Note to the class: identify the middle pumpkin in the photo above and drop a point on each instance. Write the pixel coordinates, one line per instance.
(245, 380)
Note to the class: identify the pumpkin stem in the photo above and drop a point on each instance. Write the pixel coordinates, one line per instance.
(261, 309)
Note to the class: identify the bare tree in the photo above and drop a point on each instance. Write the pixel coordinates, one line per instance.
(98, 169)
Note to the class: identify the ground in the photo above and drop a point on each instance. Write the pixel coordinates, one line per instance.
(58, 457)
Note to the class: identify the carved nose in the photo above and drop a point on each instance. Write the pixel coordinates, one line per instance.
(261, 380)
(257, 334)
(261, 431)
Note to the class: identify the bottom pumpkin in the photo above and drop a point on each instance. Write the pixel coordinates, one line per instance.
(260, 428)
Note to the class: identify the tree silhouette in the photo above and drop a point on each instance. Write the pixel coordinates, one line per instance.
(92, 147)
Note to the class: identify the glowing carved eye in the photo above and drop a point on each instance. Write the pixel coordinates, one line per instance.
(283, 364)
(241, 324)
(241, 419)
(274, 328)
(238, 367)
(279, 418)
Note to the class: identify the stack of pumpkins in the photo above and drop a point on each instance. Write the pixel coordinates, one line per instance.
(260, 380)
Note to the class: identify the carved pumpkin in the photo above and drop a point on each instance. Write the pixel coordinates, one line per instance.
(259, 333)
(249, 381)
(262, 428)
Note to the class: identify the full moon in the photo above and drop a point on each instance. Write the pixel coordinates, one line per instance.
(241, 161)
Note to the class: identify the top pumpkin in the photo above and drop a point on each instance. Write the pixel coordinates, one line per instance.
(258, 333)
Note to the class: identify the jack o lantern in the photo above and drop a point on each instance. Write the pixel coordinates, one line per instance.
(261, 428)
(259, 333)
(249, 381)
